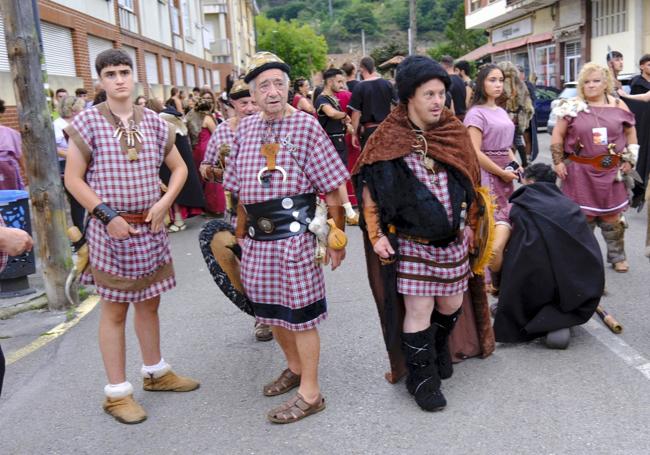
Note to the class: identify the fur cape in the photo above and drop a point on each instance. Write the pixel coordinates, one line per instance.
(515, 99)
(450, 144)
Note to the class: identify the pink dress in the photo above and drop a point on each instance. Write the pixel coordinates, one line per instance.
(596, 191)
(10, 153)
(498, 131)
(215, 200)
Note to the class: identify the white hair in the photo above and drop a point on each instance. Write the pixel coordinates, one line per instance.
(251, 84)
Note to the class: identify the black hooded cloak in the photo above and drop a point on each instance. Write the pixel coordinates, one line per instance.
(552, 274)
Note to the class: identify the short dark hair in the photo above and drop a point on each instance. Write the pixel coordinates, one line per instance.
(611, 55)
(298, 83)
(463, 65)
(348, 68)
(480, 97)
(540, 172)
(60, 90)
(196, 89)
(112, 57)
(644, 59)
(81, 91)
(332, 72)
(2, 106)
(447, 60)
(368, 63)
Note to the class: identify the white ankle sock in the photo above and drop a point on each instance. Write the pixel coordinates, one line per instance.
(157, 370)
(349, 211)
(117, 391)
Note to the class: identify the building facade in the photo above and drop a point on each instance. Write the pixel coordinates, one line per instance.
(552, 39)
(169, 41)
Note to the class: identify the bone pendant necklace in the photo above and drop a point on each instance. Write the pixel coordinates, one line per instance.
(131, 134)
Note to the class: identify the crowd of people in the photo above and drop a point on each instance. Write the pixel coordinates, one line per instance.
(429, 160)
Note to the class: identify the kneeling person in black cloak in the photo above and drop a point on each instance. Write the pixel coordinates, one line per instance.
(552, 272)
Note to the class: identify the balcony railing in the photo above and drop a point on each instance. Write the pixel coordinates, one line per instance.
(128, 19)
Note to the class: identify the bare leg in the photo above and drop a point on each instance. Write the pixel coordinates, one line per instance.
(308, 345)
(147, 328)
(450, 304)
(501, 237)
(287, 341)
(418, 313)
(111, 340)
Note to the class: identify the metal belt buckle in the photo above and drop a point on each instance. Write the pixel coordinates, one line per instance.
(607, 161)
(265, 225)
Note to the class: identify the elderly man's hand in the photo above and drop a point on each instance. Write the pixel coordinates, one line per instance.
(14, 241)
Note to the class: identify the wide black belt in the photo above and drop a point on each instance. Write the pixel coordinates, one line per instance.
(280, 218)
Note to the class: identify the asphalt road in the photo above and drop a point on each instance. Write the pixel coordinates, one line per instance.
(524, 399)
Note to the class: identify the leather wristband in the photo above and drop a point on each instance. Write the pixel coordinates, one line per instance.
(104, 213)
(240, 229)
(371, 217)
(337, 213)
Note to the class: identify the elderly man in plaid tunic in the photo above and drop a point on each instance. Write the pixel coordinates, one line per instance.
(12, 243)
(115, 153)
(280, 160)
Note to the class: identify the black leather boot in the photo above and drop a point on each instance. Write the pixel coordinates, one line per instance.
(423, 381)
(445, 324)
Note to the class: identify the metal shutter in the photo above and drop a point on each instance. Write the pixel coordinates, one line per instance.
(189, 71)
(166, 70)
(201, 77)
(132, 53)
(95, 47)
(4, 58)
(151, 64)
(572, 49)
(179, 74)
(58, 50)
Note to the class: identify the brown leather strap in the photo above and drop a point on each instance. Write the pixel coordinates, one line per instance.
(601, 162)
(412, 238)
(442, 265)
(337, 213)
(240, 229)
(370, 125)
(431, 279)
(135, 218)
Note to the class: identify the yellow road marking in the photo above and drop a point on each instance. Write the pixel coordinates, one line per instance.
(83, 309)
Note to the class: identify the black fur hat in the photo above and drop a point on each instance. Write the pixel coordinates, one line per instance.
(414, 71)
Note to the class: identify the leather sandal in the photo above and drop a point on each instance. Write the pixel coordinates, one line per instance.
(263, 332)
(295, 409)
(286, 381)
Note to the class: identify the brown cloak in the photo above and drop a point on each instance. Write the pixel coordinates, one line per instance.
(448, 143)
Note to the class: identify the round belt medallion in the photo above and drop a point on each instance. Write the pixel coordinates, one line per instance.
(287, 203)
(265, 225)
(606, 162)
(251, 231)
(294, 226)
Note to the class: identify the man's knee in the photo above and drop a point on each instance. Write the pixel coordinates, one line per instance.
(114, 312)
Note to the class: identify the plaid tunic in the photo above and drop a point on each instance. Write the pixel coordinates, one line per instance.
(4, 257)
(448, 266)
(222, 135)
(280, 277)
(139, 267)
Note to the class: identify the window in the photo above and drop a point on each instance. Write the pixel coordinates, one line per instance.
(96, 46)
(179, 74)
(166, 70)
(545, 65)
(189, 76)
(128, 19)
(608, 17)
(4, 58)
(131, 51)
(187, 24)
(151, 66)
(571, 61)
(57, 49)
(474, 5)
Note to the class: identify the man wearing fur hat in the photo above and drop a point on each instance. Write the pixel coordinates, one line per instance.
(280, 160)
(417, 179)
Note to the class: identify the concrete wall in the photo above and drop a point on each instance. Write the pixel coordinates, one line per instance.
(542, 21)
(101, 9)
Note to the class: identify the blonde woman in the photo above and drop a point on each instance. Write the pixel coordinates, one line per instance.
(596, 136)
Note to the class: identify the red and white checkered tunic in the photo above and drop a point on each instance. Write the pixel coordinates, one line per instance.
(222, 135)
(282, 273)
(455, 252)
(4, 257)
(130, 186)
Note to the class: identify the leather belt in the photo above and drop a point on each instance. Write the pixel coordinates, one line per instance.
(280, 218)
(602, 162)
(370, 125)
(421, 240)
(135, 218)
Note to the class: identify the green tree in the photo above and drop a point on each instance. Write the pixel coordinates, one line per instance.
(298, 45)
(460, 40)
(388, 51)
(359, 17)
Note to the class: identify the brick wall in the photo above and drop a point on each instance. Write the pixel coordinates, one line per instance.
(10, 117)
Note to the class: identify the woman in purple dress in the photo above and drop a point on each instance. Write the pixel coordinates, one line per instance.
(595, 133)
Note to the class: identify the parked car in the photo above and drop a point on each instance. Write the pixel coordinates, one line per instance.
(571, 90)
(544, 95)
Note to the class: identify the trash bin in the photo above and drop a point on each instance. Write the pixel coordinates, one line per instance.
(14, 209)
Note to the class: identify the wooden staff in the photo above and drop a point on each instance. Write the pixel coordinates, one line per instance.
(609, 320)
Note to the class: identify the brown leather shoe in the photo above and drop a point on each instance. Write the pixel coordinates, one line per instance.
(282, 384)
(170, 382)
(125, 410)
(263, 332)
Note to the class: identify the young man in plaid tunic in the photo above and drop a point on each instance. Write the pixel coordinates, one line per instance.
(280, 158)
(12, 243)
(115, 153)
(416, 178)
